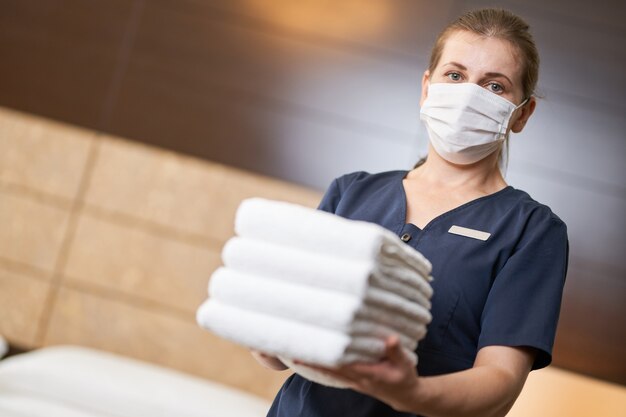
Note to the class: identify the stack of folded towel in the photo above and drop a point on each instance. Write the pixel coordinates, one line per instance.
(304, 284)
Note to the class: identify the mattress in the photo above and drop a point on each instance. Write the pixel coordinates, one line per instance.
(69, 381)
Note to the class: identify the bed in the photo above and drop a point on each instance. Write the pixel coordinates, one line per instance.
(71, 381)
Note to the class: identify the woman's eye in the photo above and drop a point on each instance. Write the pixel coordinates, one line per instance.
(495, 88)
(454, 76)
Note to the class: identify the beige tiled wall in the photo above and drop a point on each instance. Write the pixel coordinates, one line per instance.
(22, 298)
(109, 243)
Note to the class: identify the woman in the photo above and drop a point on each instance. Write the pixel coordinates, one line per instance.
(499, 257)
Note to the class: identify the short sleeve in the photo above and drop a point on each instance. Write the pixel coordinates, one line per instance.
(333, 194)
(523, 305)
(331, 198)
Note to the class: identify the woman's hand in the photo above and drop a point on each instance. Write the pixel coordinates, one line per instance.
(394, 380)
(488, 389)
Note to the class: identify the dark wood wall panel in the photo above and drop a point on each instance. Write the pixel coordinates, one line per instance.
(592, 164)
(245, 130)
(191, 51)
(58, 57)
(235, 82)
(398, 30)
(591, 335)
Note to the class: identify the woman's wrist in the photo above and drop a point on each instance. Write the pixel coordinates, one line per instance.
(408, 399)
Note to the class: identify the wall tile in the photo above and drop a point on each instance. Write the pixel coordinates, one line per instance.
(41, 154)
(155, 336)
(177, 191)
(238, 185)
(31, 232)
(154, 185)
(140, 263)
(22, 301)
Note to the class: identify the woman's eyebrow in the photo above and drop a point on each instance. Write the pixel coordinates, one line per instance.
(498, 74)
(456, 64)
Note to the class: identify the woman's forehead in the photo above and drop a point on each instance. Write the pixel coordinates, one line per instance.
(482, 54)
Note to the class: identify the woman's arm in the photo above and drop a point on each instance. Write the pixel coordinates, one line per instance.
(488, 389)
(268, 361)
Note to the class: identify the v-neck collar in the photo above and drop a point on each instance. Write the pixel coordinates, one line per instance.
(447, 213)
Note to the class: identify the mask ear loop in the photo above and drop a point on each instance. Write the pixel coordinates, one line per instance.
(503, 163)
(522, 104)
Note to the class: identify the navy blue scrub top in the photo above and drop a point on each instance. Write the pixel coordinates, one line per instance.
(503, 291)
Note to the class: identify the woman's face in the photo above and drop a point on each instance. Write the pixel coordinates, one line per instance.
(488, 62)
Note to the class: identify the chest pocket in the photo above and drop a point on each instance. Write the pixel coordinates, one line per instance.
(445, 301)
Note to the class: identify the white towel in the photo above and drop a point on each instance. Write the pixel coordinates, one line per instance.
(291, 264)
(321, 232)
(395, 322)
(321, 307)
(388, 282)
(313, 374)
(308, 285)
(407, 277)
(397, 304)
(322, 270)
(287, 338)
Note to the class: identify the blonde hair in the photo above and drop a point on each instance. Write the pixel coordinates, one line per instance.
(500, 24)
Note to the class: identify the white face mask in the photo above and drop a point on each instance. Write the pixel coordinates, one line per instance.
(465, 122)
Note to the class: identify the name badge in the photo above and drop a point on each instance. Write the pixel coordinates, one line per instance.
(474, 234)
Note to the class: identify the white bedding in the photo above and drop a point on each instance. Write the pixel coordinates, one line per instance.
(68, 381)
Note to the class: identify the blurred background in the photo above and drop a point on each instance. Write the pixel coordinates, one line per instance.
(131, 129)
